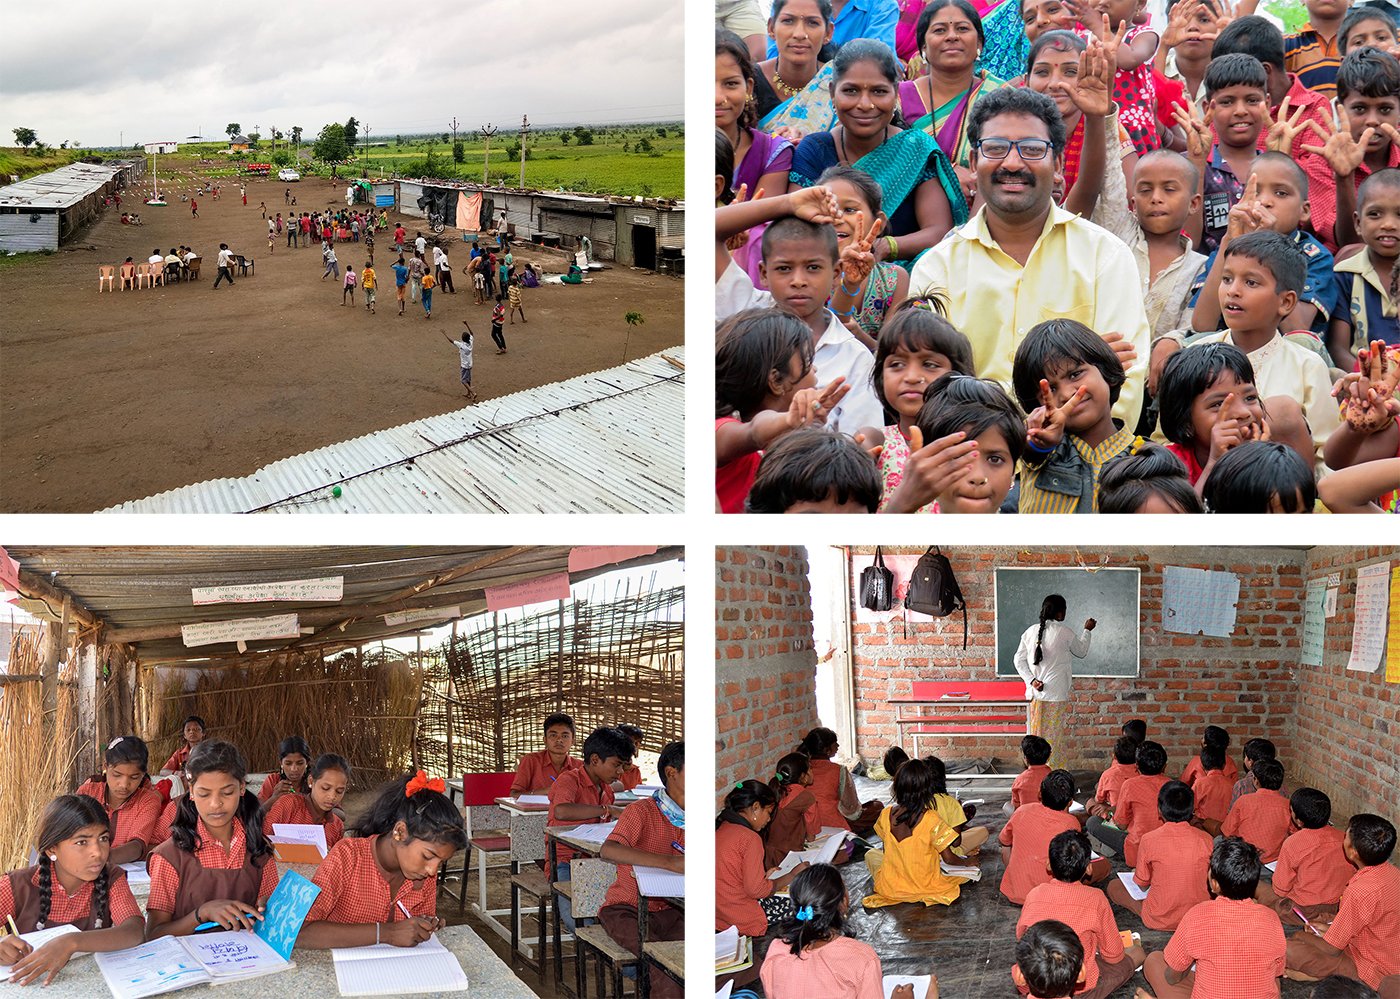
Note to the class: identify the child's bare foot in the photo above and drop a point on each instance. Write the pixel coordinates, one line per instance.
(1142, 994)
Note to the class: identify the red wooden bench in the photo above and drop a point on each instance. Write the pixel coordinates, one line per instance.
(973, 708)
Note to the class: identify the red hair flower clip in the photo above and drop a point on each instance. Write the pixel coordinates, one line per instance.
(422, 783)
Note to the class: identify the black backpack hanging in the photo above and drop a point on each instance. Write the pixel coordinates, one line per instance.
(934, 590)
(877, 585)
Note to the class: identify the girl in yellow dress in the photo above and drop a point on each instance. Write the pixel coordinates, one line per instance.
(915, 837)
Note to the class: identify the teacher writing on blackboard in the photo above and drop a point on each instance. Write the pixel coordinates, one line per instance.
(1043, 660)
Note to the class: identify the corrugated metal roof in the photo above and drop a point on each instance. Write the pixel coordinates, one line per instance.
(149, 587)
(59, 188)
(606, 442)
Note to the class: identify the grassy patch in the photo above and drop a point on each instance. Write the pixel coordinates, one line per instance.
(15, 161)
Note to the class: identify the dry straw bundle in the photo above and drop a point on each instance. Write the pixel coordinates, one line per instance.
(362, 706)
(35, 768)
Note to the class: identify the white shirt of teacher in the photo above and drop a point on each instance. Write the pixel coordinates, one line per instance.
(1054, 669)
(838, 355)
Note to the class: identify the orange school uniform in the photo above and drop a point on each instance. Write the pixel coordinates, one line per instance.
(210, 855)
(1213, 789)
(537, 770)
(353, 889)
(19, 891)
(1236, 945)
(1173, 861)
(1028, 832)
(1083, 909)
(641, 826)
(740, 880)
(294, 809)
(575, 787)
(176, 763)
(1026, 787)
(1111, 782)
(1194, 770)
(1312, 868)
(1137, 811)
(794, 822)
(1261, 818)
(1367, 926)
(631, 776)
(840, 967)
(135, 818)
(826, 788)
(161, 831)
(269, 786)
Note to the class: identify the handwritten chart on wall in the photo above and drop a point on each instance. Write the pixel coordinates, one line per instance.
(1314, 621)
(1368, 628)
(1392, 643)
(1110, 596)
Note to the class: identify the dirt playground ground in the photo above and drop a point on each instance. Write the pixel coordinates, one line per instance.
(110, 397)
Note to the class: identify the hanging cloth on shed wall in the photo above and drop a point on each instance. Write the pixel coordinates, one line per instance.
(469, 211)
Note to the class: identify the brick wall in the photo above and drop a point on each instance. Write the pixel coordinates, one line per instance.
(765, 662)
(1347, 723)
(1246, 682)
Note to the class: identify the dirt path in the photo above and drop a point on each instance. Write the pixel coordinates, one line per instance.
(109, 397)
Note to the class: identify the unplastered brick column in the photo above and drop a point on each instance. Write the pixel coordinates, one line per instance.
(765, 661)
(1245, 682)
(1346, 727)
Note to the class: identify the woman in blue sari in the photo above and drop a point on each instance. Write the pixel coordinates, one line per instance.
(921, 193)
(793, 91)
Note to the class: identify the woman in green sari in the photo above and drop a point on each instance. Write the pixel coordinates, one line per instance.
(940, 99)
(793, 91)
(920, 191)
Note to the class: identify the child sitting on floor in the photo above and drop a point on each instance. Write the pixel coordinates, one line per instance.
(1136, 813)
(1124, 765)
(795, 818)
(1212, 735)
(833, 787)
(1312, 868)
(1173, 861)
(1026, 787)
(1049, 961)
(955, 813)
(1262, 818)
(1026, 838)
(1212, 789)
(915, 838)
(744, 894)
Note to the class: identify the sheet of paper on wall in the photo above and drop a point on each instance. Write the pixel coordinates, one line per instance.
(1314, 622)
(1197, 601)
(1127, 878)
(1329, 603)
(920, 983)
(1368, 617)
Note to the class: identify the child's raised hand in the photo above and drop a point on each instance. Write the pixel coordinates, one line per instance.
(874, 450)
(1045, 426)
(814, 204)
(1342, 153)
(1121, 346)
(1282, 133)
(814, 405)
(1092, 90)
(1368, 396)
(1178, 20)
(1198, 139)
(930, 471)
(857, 258)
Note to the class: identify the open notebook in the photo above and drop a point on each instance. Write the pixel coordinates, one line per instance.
(170, 963)
(296, 843)
(920, 984)
(37, 939)
(823, 851)
(385, 970)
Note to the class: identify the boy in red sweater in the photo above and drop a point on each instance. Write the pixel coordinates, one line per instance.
(1236, 945)
(1026, 786)
(1026, 838)
(1107, 964)
(1136, 813)
(1173, 862)
(1312, 864)
(1363, 942)
(1212, 788)
(1262, 818)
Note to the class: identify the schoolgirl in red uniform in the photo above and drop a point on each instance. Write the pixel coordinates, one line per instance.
(124, 790)
(330, 776)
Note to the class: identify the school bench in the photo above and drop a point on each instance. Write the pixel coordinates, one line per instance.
(975, 709)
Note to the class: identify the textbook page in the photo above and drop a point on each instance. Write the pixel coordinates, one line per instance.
(920, 983)
(158, 966)
(233, 955)
(657, 883)
(37, 939)
(1127, 878)
(595, 832)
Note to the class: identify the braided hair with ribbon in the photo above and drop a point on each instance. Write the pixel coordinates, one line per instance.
(818, 896)
(420, 802)
(743, 797)
(789, 771)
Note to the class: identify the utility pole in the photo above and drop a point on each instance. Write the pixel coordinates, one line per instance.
(454, 131)
(366, 128)
(524, 131)
(487, 130)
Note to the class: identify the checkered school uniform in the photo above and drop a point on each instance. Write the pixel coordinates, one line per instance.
(269, 786)
(1028, 832)
(1111, 782)
(642, 827)
(165, 880)
(1368, 923)
(1213, 789)
(1312, 868)
(161, 831)
(1026, 787)
(135, 818)
(1237, 946)
(740, 880)
(537, 770)
(631, 776)
(1173, 861)
(1194, 770)
(1260, 818)
(294, 809)
(575, 787)
(1083, 909)
(841, 967)
(65, 908)
(354, 891)
(177, 760)
(1137, 811)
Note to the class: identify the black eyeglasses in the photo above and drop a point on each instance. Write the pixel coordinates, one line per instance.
(1028, 149)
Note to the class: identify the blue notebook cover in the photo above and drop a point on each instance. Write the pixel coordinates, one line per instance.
(286, 911)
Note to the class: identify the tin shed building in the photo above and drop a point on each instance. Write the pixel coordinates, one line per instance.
(39, 213)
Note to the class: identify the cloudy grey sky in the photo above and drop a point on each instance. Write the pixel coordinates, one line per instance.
(99, 72)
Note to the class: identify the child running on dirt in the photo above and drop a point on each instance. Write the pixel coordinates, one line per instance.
(368, 281)
(464, 357)
(427, 289)
(498, 316)
(517, 300)
(349, 285)
(332, 265)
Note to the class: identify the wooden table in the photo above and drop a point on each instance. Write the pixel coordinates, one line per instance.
(643, 972)
(669, 956)
(527, 822)
(314, 975)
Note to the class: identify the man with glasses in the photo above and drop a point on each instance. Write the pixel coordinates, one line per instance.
(1021, 259)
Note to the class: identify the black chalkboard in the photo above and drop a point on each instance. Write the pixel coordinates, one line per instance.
(1110, 596)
